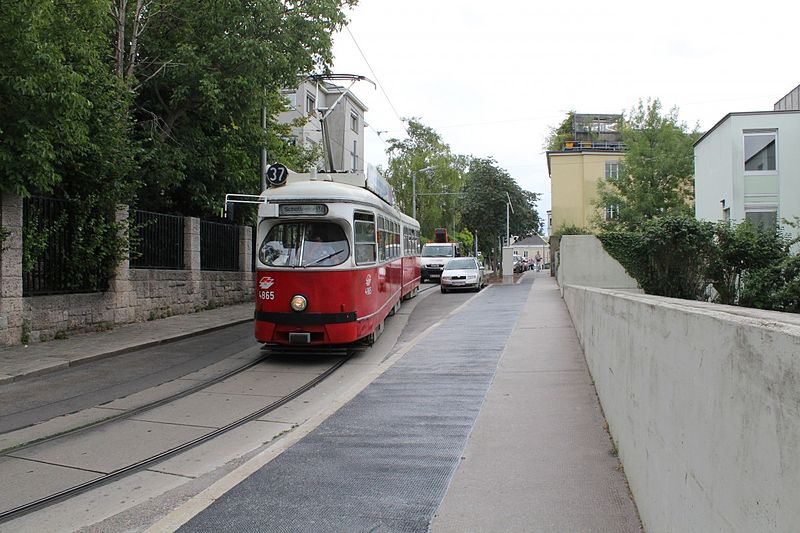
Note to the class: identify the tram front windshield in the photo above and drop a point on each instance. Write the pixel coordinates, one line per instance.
(304, 244)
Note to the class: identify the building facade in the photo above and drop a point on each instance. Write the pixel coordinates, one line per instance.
(748, 167)
(592, 154)
(531, 247)
(310, 102)
(790, 102)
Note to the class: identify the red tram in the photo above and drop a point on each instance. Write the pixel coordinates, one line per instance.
(334, 259)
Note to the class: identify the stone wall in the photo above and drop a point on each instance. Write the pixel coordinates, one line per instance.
(702, 400)
(134, 295)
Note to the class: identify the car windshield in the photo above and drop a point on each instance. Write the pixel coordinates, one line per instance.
(304, 244)
(461, 264)
(437, 251)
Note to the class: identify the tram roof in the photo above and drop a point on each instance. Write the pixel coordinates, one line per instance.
(323, 186)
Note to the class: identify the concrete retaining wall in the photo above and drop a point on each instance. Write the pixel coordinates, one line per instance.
(583, 261)
(703, 401)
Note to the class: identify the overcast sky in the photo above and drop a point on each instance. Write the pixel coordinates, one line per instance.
(492, 77)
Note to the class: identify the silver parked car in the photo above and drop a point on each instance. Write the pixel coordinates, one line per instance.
(462, 273)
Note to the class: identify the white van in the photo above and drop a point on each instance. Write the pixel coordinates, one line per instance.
(434, 256)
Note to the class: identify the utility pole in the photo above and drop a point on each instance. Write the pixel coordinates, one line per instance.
(264, 148)
(414, 190)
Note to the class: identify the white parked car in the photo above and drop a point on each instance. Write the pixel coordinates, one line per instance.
(462, 273)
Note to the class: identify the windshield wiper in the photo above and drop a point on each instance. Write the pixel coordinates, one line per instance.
(321, 259)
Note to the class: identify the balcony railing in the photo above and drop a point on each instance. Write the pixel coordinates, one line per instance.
(595, 146)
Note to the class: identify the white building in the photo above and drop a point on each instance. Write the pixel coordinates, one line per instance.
(312, 100)
(748, 167)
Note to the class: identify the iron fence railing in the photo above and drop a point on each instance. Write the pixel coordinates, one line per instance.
(52, 229)
(219, 246)
(156, 241)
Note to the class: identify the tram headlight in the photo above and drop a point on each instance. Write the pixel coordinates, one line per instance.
(298, 303)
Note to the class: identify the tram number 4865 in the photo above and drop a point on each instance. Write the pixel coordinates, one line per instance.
(266, 295)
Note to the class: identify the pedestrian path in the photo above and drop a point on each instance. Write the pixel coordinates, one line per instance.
(21, 362)
(489, 424)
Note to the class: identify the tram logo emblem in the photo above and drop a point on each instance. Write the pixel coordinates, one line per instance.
(368, 283)
(265, 283)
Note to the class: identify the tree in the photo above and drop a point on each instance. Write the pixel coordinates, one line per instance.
(62, 117)
(561, 133)
(437, 187)
(656, 177)
(202, 71)
(483, 206)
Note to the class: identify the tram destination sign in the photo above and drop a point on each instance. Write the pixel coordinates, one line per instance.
(292, 210)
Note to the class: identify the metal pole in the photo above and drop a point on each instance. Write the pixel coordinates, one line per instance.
(414, 195)
(508, 238)
(264, 148)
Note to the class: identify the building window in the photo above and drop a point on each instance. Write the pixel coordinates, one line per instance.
(612, 212)
(612, 169)
(354, 122)
(759, 152)
(726, 214)
(291, 100)
(354, 155)
(311, 104)
(765, 218)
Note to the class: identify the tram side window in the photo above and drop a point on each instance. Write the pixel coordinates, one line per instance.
(381, 239)
(364, 224)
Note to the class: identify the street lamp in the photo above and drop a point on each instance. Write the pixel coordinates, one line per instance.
(414, 190)
(508, 206)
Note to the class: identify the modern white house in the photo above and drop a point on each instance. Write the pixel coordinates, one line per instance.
(748, 167)
(314, 99)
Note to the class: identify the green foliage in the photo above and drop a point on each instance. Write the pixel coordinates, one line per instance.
(776, 286)
(681, 257)
(656, 177)
(437, 188)
(60, 111)
(210, 67)
(571, 229)
(85, 233)
(559, 135)
(741, 251)
(483, 206)
(667, 256)
(467, 241)
(36, 236)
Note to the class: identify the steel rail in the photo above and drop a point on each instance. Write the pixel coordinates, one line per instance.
(77, 489)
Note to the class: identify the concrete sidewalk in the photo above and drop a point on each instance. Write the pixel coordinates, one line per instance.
(538, 458)
(20, 362)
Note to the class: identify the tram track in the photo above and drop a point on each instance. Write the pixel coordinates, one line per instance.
(58, 496)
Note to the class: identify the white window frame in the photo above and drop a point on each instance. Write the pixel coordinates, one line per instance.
(751, 133)
(354, 122)
(763, 208)
(608, 164)
(311, 104)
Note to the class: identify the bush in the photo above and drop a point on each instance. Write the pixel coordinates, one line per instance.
(740, 253)
(681, 257)
(666, 256)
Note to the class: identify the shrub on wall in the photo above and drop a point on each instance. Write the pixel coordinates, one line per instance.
(741, 252)
(666, 256)
(682, 257)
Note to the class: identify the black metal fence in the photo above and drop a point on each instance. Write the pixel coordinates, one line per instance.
(56, 234)
(219, 246)
(50, 233)
(156, 241)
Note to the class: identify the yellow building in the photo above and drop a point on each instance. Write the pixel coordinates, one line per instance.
(574, 174)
